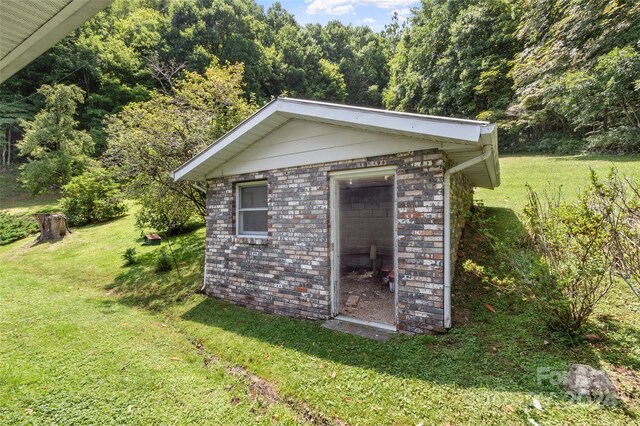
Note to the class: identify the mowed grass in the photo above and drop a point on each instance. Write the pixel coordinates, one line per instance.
(569, 174)
(16, 201)
(86, 340)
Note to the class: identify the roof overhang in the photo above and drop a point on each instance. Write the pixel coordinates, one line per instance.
(460, 139)
(29, 27)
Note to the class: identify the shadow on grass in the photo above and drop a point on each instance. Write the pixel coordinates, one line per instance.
(615, 350)
(503, 350)
(141, 285)
(622, 158)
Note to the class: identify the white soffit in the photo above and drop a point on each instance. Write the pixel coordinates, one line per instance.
(460, 139)
(29, 27)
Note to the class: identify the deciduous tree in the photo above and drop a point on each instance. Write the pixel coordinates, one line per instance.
(56, 150)
(148, 140)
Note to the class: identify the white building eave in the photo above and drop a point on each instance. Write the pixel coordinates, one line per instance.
(29, 28)
(458, 138)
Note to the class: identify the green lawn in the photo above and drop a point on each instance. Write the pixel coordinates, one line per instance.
(15, 200)
(542, 172)
(86, 340)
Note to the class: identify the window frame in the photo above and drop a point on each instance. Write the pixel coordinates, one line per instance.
(239, 210)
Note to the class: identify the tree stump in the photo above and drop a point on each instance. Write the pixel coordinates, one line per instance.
(52, 226)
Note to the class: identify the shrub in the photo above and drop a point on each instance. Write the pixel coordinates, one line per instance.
(558, 143)
(129, 256)
(163, 263)
(623, 140)
(92, 197)
(15, 227)
(617, 199)
(583, 246)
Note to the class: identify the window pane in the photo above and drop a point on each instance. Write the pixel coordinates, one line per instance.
(253, 221)
(253, 196)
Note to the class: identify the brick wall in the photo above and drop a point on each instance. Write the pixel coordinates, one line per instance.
(289, 273)
(461, 200)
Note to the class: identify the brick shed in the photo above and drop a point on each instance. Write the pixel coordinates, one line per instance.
(318, 210)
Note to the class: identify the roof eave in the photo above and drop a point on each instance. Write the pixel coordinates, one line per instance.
(464, 131)
(70, 17)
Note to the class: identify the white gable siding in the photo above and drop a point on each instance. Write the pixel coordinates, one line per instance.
(301, 142)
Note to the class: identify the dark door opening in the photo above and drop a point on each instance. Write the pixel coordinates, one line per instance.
(366, 248)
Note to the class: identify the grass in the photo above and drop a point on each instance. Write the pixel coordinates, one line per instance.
(85, 340)
(568, 172)
(16, 201)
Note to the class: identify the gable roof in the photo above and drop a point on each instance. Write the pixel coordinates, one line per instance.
(29, 28)
(460, 139)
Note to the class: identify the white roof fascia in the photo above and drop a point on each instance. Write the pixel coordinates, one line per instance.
(465, 132)
(389, 112)
(489, 137)
(67, 19)
(226, 140)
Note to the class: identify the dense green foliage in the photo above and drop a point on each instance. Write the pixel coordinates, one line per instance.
(92, 197)
(536, 67)
(148, 140)
(55, 148)
(454, 59)
(578, 69)
(163, 262)
(571, 249)
(14, 227)
(129, 256)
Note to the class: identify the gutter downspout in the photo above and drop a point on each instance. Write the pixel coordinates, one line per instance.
(447, 229)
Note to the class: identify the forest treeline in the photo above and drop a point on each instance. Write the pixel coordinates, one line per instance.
(557, 75)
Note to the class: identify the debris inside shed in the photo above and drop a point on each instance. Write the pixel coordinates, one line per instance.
(366, 297)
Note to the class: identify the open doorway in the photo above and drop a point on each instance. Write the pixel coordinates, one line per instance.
(365, 247)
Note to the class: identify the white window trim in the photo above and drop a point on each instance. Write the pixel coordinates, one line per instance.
(239, 186)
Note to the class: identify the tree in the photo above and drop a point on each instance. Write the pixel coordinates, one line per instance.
(570, 49)
(600, 98)
(618, 73)
(230, 30)
(11, 112)
(454, 59)
(148, 140)
(55, 148)
(362, 58)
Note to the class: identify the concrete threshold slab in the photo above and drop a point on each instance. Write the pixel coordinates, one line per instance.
(366, 329)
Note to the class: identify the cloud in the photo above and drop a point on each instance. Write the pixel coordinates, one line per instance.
(330, 7)
(342, 7)
(369, 21)
(385, 4)
(402, 13)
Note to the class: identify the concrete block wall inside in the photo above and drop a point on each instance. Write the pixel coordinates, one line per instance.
(366, 218)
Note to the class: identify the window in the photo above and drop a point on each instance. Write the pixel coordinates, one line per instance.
(251, 204)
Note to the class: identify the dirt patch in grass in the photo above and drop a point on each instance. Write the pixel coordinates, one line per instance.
(264, 392)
